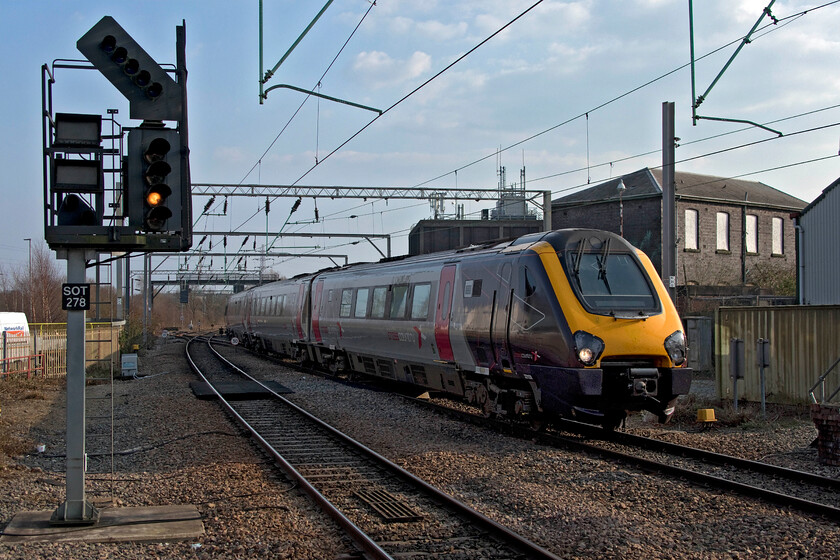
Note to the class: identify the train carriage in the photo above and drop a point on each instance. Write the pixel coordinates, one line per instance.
(572, 323)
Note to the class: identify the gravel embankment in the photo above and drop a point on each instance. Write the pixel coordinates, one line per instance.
(186, 451)
(178, 450)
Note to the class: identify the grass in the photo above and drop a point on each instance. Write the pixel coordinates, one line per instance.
(748, 417)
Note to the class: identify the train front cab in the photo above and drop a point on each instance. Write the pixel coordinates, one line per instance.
(626, 349)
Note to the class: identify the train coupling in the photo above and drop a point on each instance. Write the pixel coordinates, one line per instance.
(643, 381)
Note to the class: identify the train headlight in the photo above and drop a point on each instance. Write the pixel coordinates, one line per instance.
(588, 347)
(675, 346)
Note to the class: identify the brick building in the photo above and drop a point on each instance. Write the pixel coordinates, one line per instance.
(734, 237)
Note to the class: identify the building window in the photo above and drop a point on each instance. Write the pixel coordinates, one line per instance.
(751, 233)
(778, 236)
(722, 231)
(691, 230)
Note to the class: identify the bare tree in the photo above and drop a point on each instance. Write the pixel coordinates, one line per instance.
(46, 286)
(34, 290)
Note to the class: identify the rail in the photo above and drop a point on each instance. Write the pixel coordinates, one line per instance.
(821, 383)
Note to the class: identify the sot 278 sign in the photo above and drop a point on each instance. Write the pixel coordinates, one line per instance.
(75, 297)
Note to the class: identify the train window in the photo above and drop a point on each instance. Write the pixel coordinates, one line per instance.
(398, 301)
(527, 315)
(528, 286)
(377, 306)
(420, 301)
(613, 282)
(346, 302)
(361, 302)
(444, 305)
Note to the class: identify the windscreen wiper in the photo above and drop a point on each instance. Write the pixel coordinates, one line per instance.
(602, 266)
(579, 256)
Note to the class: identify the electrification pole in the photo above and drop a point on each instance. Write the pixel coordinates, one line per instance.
(669, 210)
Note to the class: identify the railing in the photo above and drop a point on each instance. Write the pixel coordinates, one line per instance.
(821, 383)
(34, 365)
(48, 342)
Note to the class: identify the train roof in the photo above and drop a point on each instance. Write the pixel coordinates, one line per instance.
(561, 240)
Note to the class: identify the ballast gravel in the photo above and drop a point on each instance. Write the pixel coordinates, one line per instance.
(175, 449)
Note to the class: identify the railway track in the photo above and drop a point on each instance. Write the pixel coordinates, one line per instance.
(807, 492)
(386, 511)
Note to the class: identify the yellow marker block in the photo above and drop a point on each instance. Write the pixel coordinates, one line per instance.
(706, 415)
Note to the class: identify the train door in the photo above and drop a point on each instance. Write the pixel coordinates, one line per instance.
(501, 317)
(247, 312)
(301, 303)
(316, 310)
(443, 312)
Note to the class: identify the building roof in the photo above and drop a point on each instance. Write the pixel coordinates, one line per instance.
(637, 184)
(647, 183)
(822, 195)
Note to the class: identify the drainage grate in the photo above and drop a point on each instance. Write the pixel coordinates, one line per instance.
(391, 508)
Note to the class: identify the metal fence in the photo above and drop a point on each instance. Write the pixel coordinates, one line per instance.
(44, 351)
(804, 343)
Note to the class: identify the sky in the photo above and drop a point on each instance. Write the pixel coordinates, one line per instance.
(572, 91)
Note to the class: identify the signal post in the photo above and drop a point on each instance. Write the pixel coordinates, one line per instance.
(149, 210)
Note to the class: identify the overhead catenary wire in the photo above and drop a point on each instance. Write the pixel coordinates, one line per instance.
(300, 107)
(791, 17)
(401, 100)
(406, 231)
(773, 26)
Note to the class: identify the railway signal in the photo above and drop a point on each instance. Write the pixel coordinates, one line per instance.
(151, 93)
(154, 171)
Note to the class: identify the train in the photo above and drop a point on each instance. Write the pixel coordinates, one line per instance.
(570, 323)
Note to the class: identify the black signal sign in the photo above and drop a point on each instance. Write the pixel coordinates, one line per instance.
(75, 297)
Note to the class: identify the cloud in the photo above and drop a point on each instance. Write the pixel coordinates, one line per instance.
(440, 31)
(231, 154)
(379, 69)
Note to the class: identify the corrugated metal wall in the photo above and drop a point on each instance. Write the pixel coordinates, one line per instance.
(820, 251)
(700, 349)
(804, 343)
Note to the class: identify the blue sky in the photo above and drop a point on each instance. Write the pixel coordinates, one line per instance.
(558, 63)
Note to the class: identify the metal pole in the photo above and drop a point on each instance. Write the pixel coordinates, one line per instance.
(128, 288)
(693, 80)
(31, 299)
(146, 297)
(76, 510)
(118, 288)
(762, 353)
(271, 72)
(669, 210)
(735, 392)
(261, 53)
(547, 211)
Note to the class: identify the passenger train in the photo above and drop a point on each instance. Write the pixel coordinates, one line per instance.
(571, 323)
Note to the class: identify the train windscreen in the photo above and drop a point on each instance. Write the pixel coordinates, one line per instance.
(611, 283)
